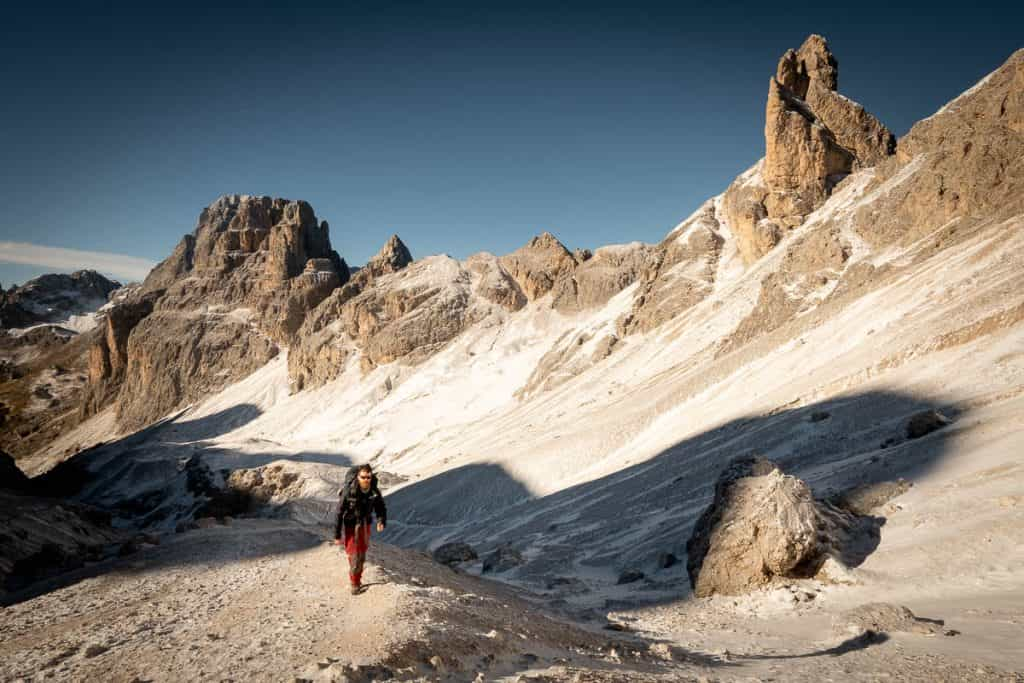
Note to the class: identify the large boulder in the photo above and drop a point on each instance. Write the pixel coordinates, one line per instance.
(762, 524)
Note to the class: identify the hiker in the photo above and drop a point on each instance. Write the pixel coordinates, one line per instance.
(360, 500)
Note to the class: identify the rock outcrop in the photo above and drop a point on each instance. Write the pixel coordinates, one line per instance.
(218, 308)
(762, 524)
(954, 172)
(270, 256)
(54, 297)
(454, 553)
(677, 273)
(814, 137)
(394, 310)
(407, 315)
(108, 355)
(540, 266)
(600, 275)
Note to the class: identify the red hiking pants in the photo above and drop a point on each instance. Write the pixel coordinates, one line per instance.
(357, 541)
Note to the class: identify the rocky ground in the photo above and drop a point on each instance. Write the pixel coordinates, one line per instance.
(267, 600)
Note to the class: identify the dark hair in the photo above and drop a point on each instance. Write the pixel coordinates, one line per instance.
(366, 468)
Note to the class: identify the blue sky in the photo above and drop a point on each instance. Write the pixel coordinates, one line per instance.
(460, 126)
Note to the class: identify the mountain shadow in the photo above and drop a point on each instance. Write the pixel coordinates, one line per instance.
(631, 519)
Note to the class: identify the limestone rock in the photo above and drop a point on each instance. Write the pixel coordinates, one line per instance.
(803, 159)
(925, 422)
(217, 308)
(678, 273)
(814, 137)
(407, 316)
(884, 617)
(600, 275)
(391, 258)
(269, 256)
(762, 524)
(494, 283)
(867, 498)
(108, 355)
(178, 357)
(540, 266)
(955, 171)
(263, 485)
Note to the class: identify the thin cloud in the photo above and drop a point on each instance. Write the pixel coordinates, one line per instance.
(130, 268)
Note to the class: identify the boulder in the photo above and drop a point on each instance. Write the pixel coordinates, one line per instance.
(666, 560)
(762, 524)
(454, 553)
(629, 576)
(925, 422)
(867, 498)
(884, 617)
(501, 559)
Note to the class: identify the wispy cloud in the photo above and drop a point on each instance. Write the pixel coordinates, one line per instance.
(123, 267)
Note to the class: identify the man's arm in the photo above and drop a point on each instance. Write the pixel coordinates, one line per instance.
(380, 510)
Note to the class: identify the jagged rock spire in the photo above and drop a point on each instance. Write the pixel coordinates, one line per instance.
(392, 257)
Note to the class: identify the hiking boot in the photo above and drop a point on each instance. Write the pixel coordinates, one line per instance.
(355, 590)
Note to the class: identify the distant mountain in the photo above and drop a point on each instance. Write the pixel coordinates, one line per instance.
(54, 298)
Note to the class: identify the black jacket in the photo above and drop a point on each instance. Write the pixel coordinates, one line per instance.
(357, 506)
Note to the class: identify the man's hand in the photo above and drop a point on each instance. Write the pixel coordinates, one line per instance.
(337, 541)
(380, 526)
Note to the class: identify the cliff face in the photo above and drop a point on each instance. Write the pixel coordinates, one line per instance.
(220, 306)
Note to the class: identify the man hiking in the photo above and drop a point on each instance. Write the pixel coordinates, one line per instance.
(360, 500)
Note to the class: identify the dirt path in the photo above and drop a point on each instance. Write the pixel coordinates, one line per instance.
(224, 603)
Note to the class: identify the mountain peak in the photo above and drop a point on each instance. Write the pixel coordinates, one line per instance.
(392, 257)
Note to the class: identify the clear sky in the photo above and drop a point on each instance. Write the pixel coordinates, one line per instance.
(460, 126)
